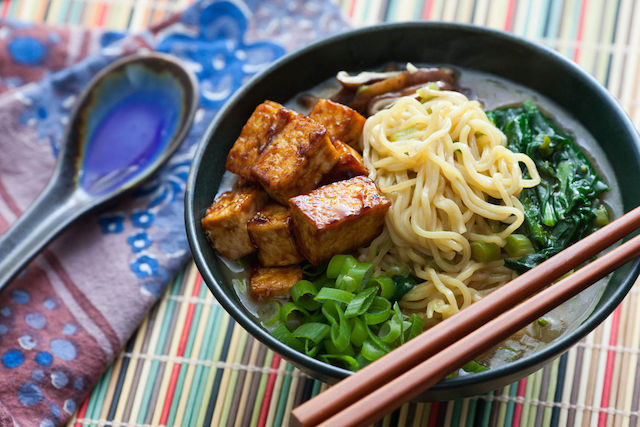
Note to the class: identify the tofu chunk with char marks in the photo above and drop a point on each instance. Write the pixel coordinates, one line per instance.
(225, 221)
(337, 218)
(349, 164)
(267, 120)
(295, 160)
(273, 282)
(269, 230)
(341, 122)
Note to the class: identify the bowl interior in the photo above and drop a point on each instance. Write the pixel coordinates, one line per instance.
(462, 46)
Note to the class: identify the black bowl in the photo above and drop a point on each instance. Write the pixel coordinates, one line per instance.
(464, 46)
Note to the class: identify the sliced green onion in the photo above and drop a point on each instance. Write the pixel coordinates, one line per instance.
(310, 270)
(332, 294)
(303, 292)
(324, 282)
(602, 216)
(361, 272)
(385, 284)
(330, 348)
(361, 360)
(340, 332)
(312, 331)
(484, 251)
(518, 245)
(348, 362)
(310, 349)
(400, 317)
(346, 283)
(292, 315)
(542, 322)
(360, 304)
(416, 327)
(269, 312)
(377, 341)
(358, 332)
(474, 367)
(390, 330)
(402, 134)
(378, 312)
(371, 352)
(495, 226)
(282, 334)
(340, 264)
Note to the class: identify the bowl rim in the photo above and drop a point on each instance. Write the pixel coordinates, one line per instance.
(552, 350)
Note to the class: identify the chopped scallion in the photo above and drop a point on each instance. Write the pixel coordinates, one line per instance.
(385, 284)
(378, 312)
(484, 251)
(332, 294)
(518, 245)
(361, 303)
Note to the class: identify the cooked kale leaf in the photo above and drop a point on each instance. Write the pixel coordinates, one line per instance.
(559, 211)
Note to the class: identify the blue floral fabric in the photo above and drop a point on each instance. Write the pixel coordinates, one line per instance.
(64, 319)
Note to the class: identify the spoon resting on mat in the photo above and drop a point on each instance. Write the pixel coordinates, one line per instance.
(128, 121)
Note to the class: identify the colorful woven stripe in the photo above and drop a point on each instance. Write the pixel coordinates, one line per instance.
(190, 364)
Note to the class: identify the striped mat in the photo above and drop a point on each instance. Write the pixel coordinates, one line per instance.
(190, 364)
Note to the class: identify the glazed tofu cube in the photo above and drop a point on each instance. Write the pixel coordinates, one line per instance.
(337, 218)
(269, 230)
(349, 164)
(341, 122)
(265, 123)
(296, 159)
(225, 221)
(273, 282)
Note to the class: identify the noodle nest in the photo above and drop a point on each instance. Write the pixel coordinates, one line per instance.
(452, 180)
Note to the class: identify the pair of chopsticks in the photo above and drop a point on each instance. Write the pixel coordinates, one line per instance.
(409, 370)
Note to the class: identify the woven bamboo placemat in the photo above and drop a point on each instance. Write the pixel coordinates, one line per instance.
(190, 364)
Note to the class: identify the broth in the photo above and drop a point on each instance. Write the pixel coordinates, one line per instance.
(494, 93)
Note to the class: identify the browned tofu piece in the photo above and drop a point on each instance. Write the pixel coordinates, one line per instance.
(273, 282)
(225, 221)
(341, 122)
(337, 218)
(270, 232)
(266, 121)
(296, 159)
(349, 164)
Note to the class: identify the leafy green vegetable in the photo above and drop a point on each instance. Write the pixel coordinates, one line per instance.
(403, 284)
(561, 210)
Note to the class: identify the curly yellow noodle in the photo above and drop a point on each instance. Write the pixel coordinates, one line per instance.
(443, 164)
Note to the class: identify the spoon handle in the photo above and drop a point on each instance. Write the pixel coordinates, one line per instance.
(53, 210)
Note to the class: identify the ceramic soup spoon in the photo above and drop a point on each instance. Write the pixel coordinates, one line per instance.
(128, 121)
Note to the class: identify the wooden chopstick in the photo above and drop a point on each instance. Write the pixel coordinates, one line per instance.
(454, 329)
(418, 379)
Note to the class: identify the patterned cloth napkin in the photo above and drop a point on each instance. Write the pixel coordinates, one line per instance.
(66, 317)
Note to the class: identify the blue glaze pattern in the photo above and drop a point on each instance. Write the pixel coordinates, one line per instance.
(133, 116)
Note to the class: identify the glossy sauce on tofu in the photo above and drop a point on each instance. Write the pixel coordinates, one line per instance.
(493, 93)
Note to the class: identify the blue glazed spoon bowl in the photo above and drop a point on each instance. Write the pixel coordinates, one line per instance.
(128, 121)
